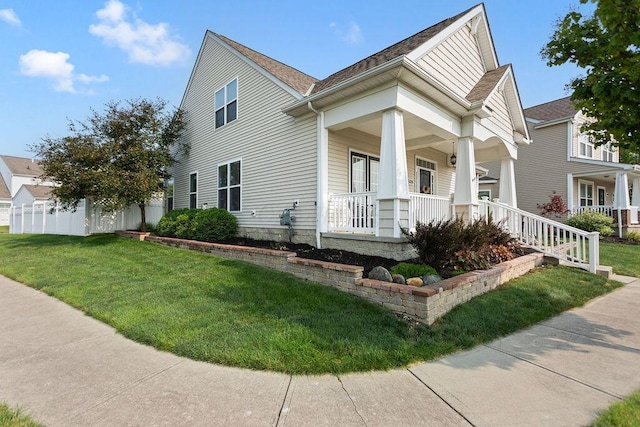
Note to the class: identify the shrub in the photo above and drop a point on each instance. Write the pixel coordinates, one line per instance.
(454, 245)
(212, 225)
(554, 207)
(148, 226)
(168, 224)
(634, 236)
(408, 270)
(592, 221)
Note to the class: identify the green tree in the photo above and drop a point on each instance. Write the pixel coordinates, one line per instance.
(606, 45)
(115, 158)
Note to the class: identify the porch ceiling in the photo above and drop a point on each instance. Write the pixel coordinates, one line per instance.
(418, 132)
(606, 175)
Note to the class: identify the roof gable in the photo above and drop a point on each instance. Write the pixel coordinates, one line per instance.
(402, 48)
(22, 166)
(39, 192)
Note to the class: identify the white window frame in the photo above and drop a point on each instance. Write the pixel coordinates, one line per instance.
(226, 104)
(593, 195)
(584, 140)
(171, 185)
(228, 187)
(368, 157)
(193, 192)
(434, 174)
(607, 152)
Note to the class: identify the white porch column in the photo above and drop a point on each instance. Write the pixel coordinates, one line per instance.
(508, 193)
(465, 198)
(621, 191)
(570, 193)
(393, 177)
(635, 192)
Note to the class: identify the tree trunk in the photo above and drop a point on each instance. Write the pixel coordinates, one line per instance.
(143, 218)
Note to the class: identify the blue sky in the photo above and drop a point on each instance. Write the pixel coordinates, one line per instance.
(61, 58)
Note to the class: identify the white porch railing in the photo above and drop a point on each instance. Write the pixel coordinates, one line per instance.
(548, 236)
(604, 209)
(426, 208)
(358, 212)
(353, 212)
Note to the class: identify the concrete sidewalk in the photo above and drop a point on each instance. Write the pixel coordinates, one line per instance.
(67, 369)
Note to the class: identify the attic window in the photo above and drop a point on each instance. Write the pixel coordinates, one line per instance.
(226, 103)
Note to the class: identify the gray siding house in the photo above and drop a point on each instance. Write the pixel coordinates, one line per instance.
(360, 155)
(561, 159)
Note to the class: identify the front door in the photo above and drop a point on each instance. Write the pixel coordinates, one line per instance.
(426, 171)
(602, 196)
(364, 179)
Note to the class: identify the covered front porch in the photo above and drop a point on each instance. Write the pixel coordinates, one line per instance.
(614, 192)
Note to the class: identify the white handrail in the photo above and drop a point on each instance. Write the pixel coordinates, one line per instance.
(547, 236)
(353, 212)
(428, 207)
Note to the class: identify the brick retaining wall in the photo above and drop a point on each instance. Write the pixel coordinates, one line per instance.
(425, 304)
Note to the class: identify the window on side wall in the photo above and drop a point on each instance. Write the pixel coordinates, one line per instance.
(230, 186)
(607, 152)
(226, 103)
(170, 194)
(193, 190)
(585, 146)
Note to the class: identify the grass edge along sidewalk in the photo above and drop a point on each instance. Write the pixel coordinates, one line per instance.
(237, 314)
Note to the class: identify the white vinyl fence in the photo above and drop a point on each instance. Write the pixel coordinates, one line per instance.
(49, 218)
(4, 216)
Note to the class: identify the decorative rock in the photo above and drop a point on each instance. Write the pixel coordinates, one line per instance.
(429, 279)
(414, 281)
(398, 278)
(380, 273)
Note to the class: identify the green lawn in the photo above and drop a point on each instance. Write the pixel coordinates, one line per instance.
(4, 229)
(625, 259)
(10, 417)
(622, 414)
(238, 314)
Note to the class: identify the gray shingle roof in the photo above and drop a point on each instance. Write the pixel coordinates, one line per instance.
(487, 83)
(4, 190)
(39, 192)
(554, 110)
(401, 48)
(22, 166)
(298, 80)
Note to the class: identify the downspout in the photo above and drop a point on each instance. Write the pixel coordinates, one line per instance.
(319, 157)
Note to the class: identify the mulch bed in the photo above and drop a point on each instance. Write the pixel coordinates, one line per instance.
(328, 255)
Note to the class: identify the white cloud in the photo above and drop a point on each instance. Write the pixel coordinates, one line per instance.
(143, 42)
(352, 34)
(10, 17)
(55, 66)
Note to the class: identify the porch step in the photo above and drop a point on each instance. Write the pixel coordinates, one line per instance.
(602, 270)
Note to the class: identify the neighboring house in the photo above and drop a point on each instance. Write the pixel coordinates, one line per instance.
(14, 173)
(561, 159)
(28, 194)
(5, 202)
(360, 155)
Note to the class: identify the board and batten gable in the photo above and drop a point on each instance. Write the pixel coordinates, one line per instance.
(277, 152)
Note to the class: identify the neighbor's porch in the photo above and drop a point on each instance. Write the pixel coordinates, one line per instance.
(613, 192)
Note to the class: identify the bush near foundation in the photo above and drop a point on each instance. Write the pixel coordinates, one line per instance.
(169, 224)
(592, 221)
(454, 245)
(213, 225)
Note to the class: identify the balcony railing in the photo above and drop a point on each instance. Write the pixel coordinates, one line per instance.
(604, 209)
(425, 208)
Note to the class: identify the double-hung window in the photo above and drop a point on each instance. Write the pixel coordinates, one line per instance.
(170, 193)
(585, 193)
(193, 190)
(226, 103)
(585, 146)
(607, 152)
(230, 186)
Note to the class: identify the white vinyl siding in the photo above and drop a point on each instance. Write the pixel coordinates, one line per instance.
(500, 118)
(278, 152)
(456, 62)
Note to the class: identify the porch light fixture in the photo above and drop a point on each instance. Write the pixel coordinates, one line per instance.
(453, 159)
